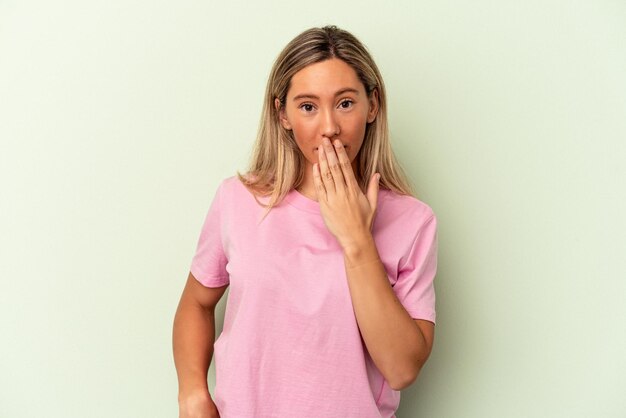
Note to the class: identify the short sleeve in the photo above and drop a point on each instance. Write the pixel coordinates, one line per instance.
(414, 287)
(209, 262)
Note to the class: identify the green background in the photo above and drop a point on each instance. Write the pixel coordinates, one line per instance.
(118, 119)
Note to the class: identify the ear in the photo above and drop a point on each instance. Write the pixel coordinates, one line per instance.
(282, 116)
(373, 109)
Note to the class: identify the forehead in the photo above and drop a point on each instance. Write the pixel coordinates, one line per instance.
(325, 78)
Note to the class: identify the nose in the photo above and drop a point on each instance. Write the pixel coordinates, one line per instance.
(328, 125)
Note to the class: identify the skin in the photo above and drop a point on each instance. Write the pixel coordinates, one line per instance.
(326, 99)
(326, 102)
(327, 109)
(193, 338)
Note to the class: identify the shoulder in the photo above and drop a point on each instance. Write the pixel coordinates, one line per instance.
(400, 222)
(404, 208)
(231, 185)
(230, 182)
(235, 194)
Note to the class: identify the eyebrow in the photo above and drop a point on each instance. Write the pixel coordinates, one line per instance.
(339, 93)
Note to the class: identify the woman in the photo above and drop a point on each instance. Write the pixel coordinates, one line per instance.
(329, 259)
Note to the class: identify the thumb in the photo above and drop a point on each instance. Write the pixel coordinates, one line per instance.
(372, 190)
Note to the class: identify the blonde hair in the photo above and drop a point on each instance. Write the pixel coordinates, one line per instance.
(277, 164)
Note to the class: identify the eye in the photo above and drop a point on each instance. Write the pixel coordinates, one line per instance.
(346, 104)
(307, 107)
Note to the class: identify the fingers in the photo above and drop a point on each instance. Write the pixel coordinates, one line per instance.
(331, 172)
(346, 166)
(372, 190)
(326, 175)
(319, 184)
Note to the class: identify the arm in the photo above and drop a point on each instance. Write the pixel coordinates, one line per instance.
(398, 344)
(193, 338)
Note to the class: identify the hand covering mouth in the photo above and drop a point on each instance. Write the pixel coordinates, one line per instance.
(315, 149)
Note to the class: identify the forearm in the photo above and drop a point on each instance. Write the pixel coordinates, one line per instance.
(393, 339)
(193, 338)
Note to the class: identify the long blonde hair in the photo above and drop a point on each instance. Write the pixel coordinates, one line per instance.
(277, 164)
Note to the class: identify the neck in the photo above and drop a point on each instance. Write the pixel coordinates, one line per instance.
(307, 187)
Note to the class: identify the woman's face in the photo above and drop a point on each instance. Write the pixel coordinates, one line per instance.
(327, 99)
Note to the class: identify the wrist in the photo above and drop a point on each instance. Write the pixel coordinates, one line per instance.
(194, 395)
(360, 249)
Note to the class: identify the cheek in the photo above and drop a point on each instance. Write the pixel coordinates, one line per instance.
(302, 132)
(355, 131)
(305, 139)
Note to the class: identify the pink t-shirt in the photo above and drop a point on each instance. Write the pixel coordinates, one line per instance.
(290, 346)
